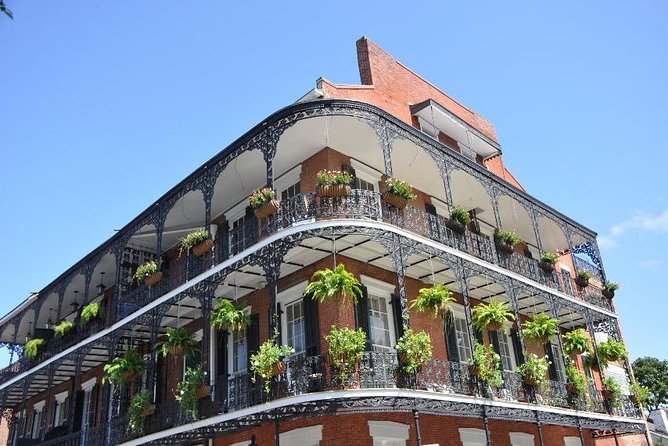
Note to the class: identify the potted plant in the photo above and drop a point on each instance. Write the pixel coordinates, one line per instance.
(547, 261)
(612, 392)
(124, 368)
(459, 218)
(492, 316)
(611, 350)
(506, 240)
(62, 328)
(199, 240)
(228, 316)
(327, 284)
(534, 370)
(486, 365)
(639, 394)
(576, 381)
(345, 350)
(540, 328)
(264, 202)
(192, 388)
(609, 289)
(32, 348)
(180, 342)
(582, 278)
(333, 183)
(140, 408)
(267, 361)
(414, 350)
(92, 311)
(435, 299)
(148, 272)
(398, 193)
(576, 342)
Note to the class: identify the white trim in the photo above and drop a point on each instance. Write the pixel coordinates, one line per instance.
(236, 212)
(286, 180)
(521, 439)
(61, 397)
(388, 430)
(291, 294)
(199, 335)
(305, 436)
(470, 436)
(572, 441)
(294, 229)
(377, 287)
(39, 406)
(87, 385)
(441, 208)
(366, 173)
(230, 352)
(241, 443)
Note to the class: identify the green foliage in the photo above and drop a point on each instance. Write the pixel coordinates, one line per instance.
(576, 342)
(260, 197)
(435, 299)
(31, 348)
(653, 374)
(228, 316)
(534, 370)
(124, 368)
(345, 349)
(577, 380)
(486, 365)
(186, 390)
(540, 328)
(137, 411)
(461, 215)
(611, 350)
(611, 286)
(194, 238)
(641, 393)
(414, 350)
(614, 392)
(180, 341)
(549, 257)
(92, 311)
(584, 274)
(400, 188)
(333, 177)
(146, 270)
(63, 327)
(494, 315)
(262, 362)
(508, 237)
(326, 284)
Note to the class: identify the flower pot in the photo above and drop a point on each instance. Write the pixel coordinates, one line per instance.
(148, 410)
(153, 278)
(571, 389)
(607, 293)
(634, 399)
(202, 248)
(203, 391)
(547, 267)
(504, 247)
(581, 282)
(394, 200)
(267, 209)
(455, 225)
(277, 368)
(494, 326)
(130, 375)
(529, 380)
(177, 350)
(333, 190)
(606, 394)
(474, 370)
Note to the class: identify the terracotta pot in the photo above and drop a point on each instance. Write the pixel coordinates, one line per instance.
(130, 375)
(153, 279)
(176, 351)
(529, 380)
(278, 368)
(394, 200)
(333, 190)
(607, 293)
(494, 326)
(547, 267)
(504, 247)
(582, 283)
(571, 389)
(267, 209)
(202, 248)
(455, 225)
(148, 410)
(203, 391)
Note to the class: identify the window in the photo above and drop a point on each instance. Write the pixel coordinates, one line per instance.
(88, 404)
(572, 441)
(291, 191)
(36, 429)
(237, 350)
(304, 436)
(472, 436)
(288, 184)
(293, 324)
(521, 439)
(381, 320)
(506, 351)
(366, 178)
(60, 414)
(558, 363)
(388, 433)
(461, 333)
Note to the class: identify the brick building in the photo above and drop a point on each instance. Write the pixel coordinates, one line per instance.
(395, 124)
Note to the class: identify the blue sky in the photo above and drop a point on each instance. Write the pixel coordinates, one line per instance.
(106, 105)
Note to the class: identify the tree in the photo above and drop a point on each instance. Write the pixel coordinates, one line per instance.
(653, 374)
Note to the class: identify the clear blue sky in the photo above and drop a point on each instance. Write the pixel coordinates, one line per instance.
(106, 105)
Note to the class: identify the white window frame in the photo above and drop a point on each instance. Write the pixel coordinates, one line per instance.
(470, 436)
(508, 341)
(60, 400)
(388, 433)
(285, 298)
(230, 348)
(383, 290)
(303, 436)
(287, 179)
(521, 439)
(572, 441)
(458, 312)
(38, 413)
(366, 173)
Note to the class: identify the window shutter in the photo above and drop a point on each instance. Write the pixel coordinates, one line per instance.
(348, 168)
(362, 316)
(78, 410)
(278, 327)
(221, 353)
(552, 371)
(494, 339)
(517, 347)
(92, 419)
(430, 209)
(478, 335)
(251, 228)
(253, 336)
(451, 338)
(312, 326)
(398, 320)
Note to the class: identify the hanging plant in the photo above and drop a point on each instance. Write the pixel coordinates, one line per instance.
(582, 278)
(435, 299)
(32, 348)
(486, 365)
(180, 342)
(639, 394)
(264, 203)
(199, 240)
(92, 311)
(534, 370)
(63, 327)
(576, 342)
(547, 261)
(124, 368)
(577, 383)
(148, 272)
(506, 240)
(228, 316)
(333, 183)
(611, 350)
(492, 316)
(187, 390)
(345, 350)
(337, 284)
(609, 289)
(140, 408)
(459, 218)
(267, 362)
(414, 350)
(540, 328)
(398, 193)
(612, 392)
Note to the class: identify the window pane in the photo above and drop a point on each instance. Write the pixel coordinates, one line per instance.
(296, 336)
(379, 324)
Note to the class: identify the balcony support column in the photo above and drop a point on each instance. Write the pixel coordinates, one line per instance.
(159, 222)
(152, 369)
(116, 298)
(485, 420)
(590, 328)
(397, 254)
(446, 169)
(554, 305)
(88, 277)
(14, 345)
(416, 420)
(76, 382)
(48, 408)
(539, 425)
(206, 306)
(582, 441)
(512, 293)
(463, 284)
(207, 192)
(535, 215)
(494, 197)
(385, 141)
(107, 397)
(59, 310)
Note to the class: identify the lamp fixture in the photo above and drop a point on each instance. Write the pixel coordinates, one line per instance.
(101, 287)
